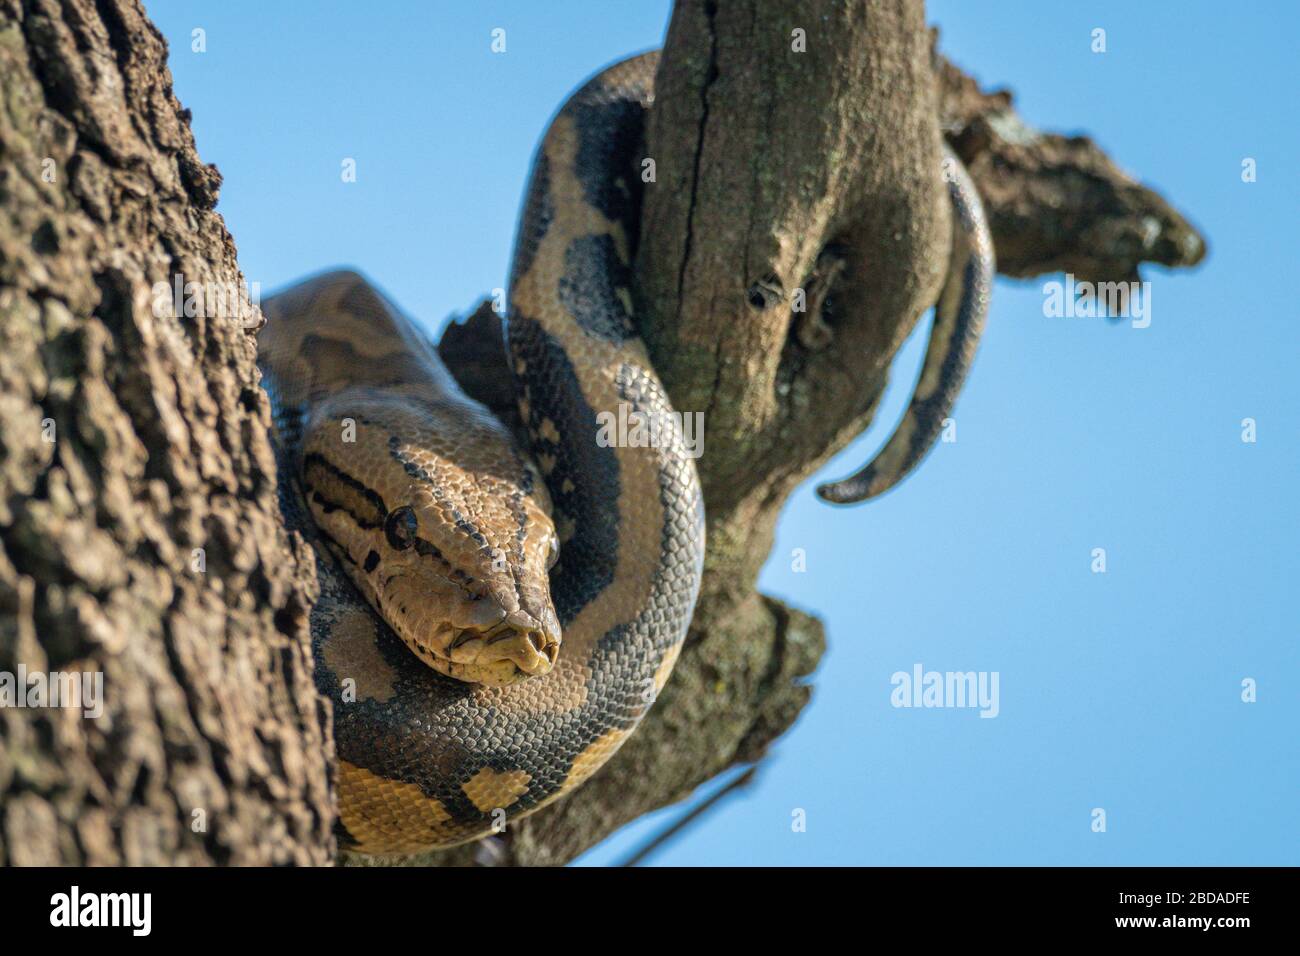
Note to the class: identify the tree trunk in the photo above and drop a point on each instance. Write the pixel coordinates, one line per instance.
(774, 136)
(139, 530)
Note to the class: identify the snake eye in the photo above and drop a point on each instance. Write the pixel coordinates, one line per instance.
(400, 528)
(554, 554)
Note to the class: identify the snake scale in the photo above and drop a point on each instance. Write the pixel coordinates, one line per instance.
(493, 624)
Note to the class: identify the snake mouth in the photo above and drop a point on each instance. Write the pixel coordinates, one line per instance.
(514, 649)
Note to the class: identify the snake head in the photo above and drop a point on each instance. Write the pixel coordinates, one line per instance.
(444, 528)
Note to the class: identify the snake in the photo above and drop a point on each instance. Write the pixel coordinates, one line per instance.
(494, 617)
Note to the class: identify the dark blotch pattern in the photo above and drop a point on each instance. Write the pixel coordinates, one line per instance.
(611, 133)
(587, 560)
(593, 274)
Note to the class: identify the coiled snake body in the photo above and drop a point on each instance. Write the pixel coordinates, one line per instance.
(492, 626)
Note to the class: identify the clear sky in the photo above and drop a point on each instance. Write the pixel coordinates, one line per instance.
(1120, 691)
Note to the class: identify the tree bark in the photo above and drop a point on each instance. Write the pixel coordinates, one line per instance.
(796, 158)
(139, 529)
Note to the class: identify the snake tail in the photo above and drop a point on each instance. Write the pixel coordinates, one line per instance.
(959, 318)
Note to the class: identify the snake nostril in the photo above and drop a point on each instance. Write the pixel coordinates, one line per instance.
(535, 638)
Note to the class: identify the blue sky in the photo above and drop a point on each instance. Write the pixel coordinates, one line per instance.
(1119, 691)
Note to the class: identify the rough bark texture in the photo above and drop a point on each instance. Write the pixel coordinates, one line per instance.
(779, 170)
(127, 441)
